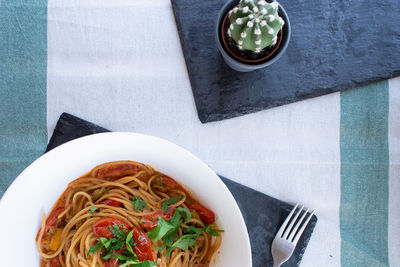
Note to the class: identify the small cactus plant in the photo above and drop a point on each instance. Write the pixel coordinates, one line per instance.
(255, 24)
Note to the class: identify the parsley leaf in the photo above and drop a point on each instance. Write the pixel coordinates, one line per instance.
(168, 230)
(175, 221)
(93, 209)
(184, 242)
(129, 263)
(117, 231)
(170, 236)
(147, 263)
(194, 231)
(129, 242)
(186, 214)
(161, 247)
(126, 258)
(172, 200)
(93, 249)
(106, 243)
(176, 218)
(209, 231)
(110, 243)
(118, 257)
(161, 230)
(138, 203)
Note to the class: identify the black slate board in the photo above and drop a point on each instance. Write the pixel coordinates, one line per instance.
(69, 128)
(335, 45)
(263, 214)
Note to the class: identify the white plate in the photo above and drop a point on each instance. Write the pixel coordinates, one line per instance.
(37, 188)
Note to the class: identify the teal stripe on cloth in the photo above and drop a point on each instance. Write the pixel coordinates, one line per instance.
(23, 66)
(364, 175)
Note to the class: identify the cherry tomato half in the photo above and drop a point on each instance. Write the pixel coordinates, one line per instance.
(116, 171)
(206, 215)
(169, 183)
(111, 262)
(53, 220)
(143, 246)
(111, 202)
(101, 228)
(150, 221)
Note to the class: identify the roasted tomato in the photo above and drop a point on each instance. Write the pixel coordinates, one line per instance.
(206, 215)
(169, 183)
(53, 220)
(101, 228)
(111, 202)
(115, 171)
(55, 262)
(150, 221)
(143, 246)
(111, 263)
(165, 183)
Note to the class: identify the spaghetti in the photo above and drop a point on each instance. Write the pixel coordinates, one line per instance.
(125, 213)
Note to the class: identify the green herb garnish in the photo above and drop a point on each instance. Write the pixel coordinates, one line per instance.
(93, 209)
(167, 230)
(184, 242)
(214, 232)
(167, 202)
(130, 263)
(93, 249)
(138, 203)
(129, 242)
(127, 258)
(118, 231)
(185, 213)
(161, 230)
(193, 230)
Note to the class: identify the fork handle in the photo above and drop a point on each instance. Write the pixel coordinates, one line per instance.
(277, 264)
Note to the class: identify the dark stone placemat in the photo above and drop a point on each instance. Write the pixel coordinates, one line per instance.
(263, 214)
(335, 45)
(69, 128)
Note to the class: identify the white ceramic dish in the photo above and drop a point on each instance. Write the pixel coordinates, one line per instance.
(38, 187)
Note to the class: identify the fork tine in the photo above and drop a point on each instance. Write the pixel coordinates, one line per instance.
(283, 226)
(297, 226)
(298, 235)
(290, 227)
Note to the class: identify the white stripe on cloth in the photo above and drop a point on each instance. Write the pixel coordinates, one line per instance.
(394, 172)
(120, 65)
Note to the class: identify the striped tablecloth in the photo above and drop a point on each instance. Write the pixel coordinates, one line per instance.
(119, 64)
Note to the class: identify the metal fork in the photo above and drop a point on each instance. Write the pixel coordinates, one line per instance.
(287, 237)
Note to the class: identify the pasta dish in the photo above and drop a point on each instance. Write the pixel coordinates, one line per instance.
(125, 213)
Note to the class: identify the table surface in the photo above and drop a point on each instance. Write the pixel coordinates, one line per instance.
(119, 64)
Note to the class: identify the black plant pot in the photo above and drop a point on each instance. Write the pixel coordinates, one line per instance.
(244, 65)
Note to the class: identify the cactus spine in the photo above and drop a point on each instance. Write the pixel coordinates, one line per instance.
(255, 24)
